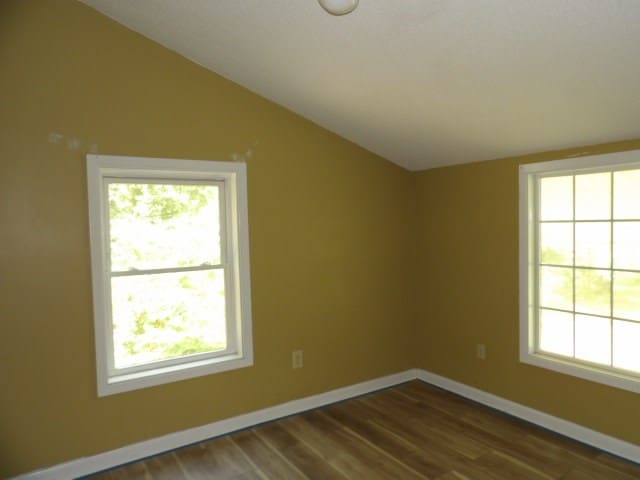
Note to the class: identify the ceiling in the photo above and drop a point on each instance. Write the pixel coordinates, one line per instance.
(423, 83)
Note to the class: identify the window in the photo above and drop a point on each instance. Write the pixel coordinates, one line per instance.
(170, 267)
(580, 267)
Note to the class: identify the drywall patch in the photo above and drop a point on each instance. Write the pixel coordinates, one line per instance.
(246, 155)
(71, 142)
(55, 137)
(241, 157)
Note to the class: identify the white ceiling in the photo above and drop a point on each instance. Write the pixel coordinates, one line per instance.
(422, 83)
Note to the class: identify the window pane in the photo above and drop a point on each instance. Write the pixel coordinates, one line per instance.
(157, 317)
(556, 198)
(626, 295)
(593, 244)
(593, 196)
(626, 338)
(593, 291)
(593, 339)
(556, 243)
(556, 287)
(556, 332)
(163, 226)
(626, 245)
(626, 194)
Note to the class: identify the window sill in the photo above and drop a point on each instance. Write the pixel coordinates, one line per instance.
(158, 376)
(584, 371)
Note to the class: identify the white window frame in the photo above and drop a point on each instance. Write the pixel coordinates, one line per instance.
(528, 176)
(231, 177)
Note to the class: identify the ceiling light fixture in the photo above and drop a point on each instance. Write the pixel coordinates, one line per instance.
(338, 7)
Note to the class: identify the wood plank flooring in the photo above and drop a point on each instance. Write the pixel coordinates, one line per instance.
(412, 431)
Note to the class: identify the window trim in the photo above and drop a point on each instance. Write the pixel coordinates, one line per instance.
(527, 259)
(235, 251)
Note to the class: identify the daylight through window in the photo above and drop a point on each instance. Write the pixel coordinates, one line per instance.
(165, 238)
(581, 237)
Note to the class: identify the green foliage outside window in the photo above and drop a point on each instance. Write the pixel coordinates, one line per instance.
(157, 316)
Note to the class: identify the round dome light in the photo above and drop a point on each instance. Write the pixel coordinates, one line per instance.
(339, 7)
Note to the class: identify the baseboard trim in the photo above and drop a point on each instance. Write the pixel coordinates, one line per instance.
(88, 465)
(582, 434)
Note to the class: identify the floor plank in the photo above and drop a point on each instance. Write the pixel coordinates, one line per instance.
(306, 460)
(266, 461)
(219, 458)
(413, 431)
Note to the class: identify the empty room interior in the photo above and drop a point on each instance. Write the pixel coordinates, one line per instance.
(338, 239)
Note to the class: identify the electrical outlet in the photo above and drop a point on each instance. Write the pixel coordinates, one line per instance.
(481, 351)
(297, 360)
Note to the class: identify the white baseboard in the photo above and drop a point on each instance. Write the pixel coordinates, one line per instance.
(88, 465)
(582, 434)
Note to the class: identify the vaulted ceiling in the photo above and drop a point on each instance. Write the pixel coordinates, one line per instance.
(423, 83)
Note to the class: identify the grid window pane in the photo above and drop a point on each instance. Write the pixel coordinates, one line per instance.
(584, 222)
(593, 196)
(593, 339)
(626, 296)
(626, 245)
(626, 194)
(556, 198)
(593, 291)
(593, 244)
(163, 316)
(556, 243)
(163, 226)
(556, 288)
(626, 339)
(556, 332)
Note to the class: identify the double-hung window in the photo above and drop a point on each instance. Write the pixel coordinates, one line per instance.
(170, 266)
(580, 267)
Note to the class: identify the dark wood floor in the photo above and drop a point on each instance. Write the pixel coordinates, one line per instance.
(412, 431)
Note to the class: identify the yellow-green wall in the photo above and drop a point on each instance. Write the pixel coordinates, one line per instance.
(368, 268)
(330, 235)
(468, 294)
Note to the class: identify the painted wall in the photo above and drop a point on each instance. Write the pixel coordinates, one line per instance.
(468, 280)
(330, 235)
(333, 247)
